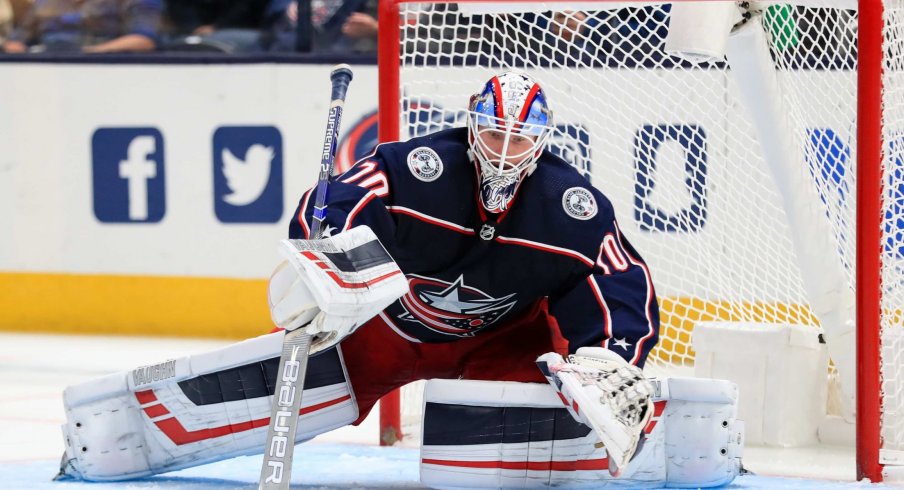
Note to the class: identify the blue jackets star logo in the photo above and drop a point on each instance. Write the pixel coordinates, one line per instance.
(452, 308)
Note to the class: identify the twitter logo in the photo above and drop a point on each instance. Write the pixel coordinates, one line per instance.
(248, 174)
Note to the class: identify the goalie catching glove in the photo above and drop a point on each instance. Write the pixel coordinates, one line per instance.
(333, 285)
(603, 391)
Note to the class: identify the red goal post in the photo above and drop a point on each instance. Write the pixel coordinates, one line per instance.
(837, 78)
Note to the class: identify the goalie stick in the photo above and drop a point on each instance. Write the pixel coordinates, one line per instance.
(276, 468)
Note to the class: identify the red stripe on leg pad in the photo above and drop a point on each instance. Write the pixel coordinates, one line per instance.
(145, 397)
(581, 465)
(155, 411)
(177, 432)
(658, 408)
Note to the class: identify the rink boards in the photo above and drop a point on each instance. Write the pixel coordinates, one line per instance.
(121, 214)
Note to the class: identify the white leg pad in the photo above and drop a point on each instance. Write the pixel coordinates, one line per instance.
(193, 410)
(485, 434)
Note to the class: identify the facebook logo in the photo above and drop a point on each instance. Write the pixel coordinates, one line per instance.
(248, 175)
(128, 175)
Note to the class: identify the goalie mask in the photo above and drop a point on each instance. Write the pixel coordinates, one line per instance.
(508, 125)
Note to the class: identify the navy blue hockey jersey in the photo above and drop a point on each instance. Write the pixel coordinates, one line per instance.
(468, 271)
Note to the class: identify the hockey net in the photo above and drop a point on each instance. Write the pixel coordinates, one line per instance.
(739, 191)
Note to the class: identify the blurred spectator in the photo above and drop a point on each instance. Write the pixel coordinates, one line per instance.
(227, 25)
(90, 26)
(568, 24)
(629, 37)
(337, 26)
(6, 19)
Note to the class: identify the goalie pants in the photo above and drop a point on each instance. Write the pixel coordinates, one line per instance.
(379, 360)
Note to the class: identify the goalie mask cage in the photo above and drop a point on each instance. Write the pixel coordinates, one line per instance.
(761, 175)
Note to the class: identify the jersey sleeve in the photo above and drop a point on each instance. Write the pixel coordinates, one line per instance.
(614, 306)
(359, 196)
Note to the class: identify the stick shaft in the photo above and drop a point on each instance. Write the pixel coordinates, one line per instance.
(340, 78)
(276, 469)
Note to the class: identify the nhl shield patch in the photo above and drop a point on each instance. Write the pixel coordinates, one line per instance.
(425, 164)
(579, 203)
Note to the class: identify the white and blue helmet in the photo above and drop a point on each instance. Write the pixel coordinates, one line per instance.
(509, 123)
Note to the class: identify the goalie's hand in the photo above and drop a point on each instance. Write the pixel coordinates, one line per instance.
(333, 285)
(603, 391)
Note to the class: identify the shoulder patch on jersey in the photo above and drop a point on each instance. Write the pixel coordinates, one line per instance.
(425, 164)
(579, 203)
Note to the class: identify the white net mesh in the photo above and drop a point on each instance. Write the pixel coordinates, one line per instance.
(673, 144)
